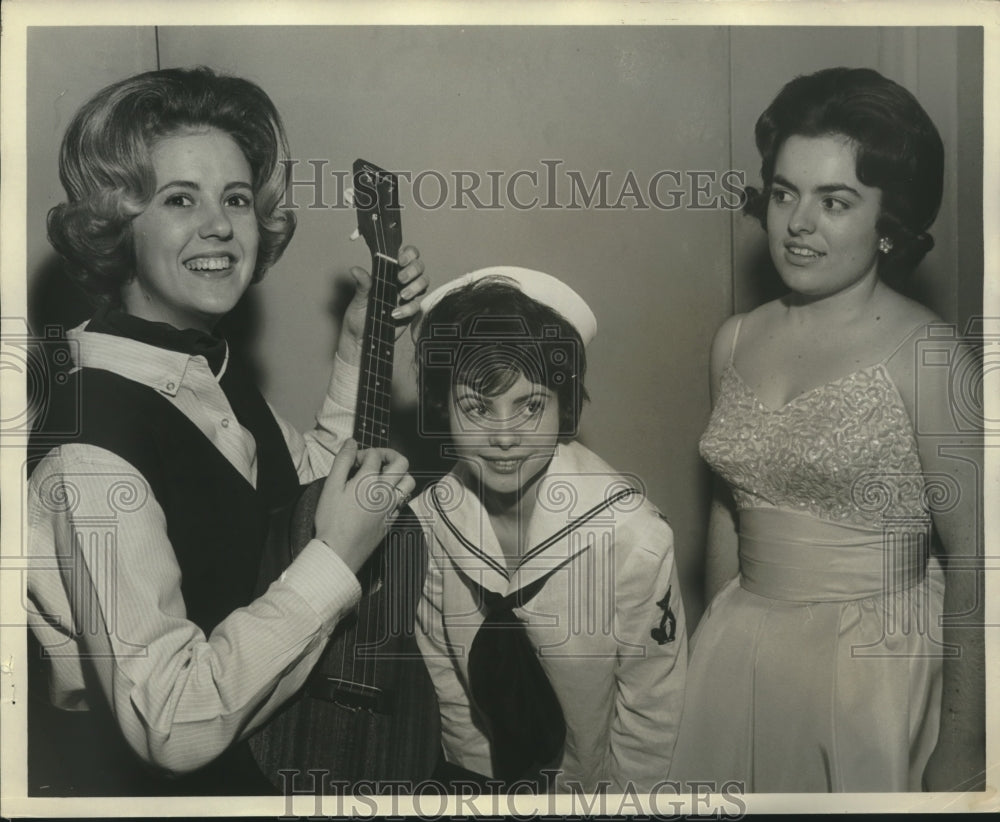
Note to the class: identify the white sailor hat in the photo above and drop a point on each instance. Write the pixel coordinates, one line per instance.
(541, 287)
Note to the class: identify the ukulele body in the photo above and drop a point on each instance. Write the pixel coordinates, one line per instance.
(351, 733)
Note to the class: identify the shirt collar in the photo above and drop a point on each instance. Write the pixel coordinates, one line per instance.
(141, 362)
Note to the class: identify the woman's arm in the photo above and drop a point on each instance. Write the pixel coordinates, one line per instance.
(722, 561)
(313, 452)
(649, 693)
(179, 696)
(721, 550)
(951, 455)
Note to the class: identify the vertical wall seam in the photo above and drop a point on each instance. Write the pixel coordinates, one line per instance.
(733, 214)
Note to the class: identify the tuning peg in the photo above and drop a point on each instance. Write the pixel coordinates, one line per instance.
(349, 196)
(355, 234)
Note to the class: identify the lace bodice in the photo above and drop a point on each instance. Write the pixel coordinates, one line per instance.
(844, 451)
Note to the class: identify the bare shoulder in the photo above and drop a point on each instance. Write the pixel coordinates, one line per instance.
(743, 325)
(903, 314)
(722, 349)
(736, 330)
(722, 343)
(902, 323)
(926, 357)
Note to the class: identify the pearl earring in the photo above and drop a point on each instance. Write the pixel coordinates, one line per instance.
(885, 245)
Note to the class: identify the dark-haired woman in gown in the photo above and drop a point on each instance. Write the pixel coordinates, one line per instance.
(818, 664)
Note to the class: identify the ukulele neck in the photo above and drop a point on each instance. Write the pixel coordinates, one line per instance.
(371, 424)
(375, 193)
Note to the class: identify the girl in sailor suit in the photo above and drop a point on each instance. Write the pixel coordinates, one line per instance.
(551, 620)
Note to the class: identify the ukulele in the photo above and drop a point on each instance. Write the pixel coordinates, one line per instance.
(368, 711)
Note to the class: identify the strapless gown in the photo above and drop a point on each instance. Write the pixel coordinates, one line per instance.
(819, 667)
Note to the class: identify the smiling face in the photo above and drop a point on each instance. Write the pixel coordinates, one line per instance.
(196, 241)
(507, 439)
(821, 220)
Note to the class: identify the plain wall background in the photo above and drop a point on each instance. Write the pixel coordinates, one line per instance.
(502, 99)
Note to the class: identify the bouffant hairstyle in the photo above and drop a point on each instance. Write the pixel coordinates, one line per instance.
(106, 169)
(485, 335)
(897, 146)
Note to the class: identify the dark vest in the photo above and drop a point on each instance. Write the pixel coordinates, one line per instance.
(216, 523)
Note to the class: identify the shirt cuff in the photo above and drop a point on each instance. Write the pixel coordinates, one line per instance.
(344, 383)
(323, 580)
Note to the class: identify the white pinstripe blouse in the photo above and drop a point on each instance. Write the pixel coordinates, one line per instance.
(104, 582)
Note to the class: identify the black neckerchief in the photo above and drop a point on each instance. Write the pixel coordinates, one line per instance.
(526, 726)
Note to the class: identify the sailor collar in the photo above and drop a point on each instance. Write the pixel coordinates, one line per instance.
(578, 500)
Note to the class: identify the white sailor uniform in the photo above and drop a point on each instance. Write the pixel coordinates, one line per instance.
(608, 623)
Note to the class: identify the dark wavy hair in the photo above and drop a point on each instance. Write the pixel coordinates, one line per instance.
(487, 334)
(897, 146)
(106, 169)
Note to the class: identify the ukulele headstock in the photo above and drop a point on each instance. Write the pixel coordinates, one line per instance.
(376, 200)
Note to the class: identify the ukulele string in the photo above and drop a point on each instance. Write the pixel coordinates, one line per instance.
(377, 403)
(366, 439)
(386, 291)
(373, 407)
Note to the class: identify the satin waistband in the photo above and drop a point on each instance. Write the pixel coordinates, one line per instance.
(792, 556)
